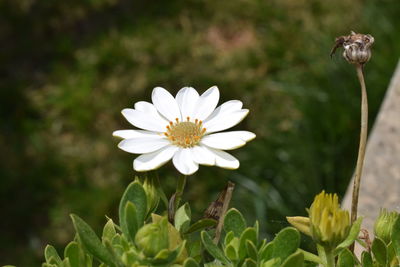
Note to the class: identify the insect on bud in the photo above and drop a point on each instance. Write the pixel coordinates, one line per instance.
(357, 47)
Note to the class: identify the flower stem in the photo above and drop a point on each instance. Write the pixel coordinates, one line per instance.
(362, 145)
(330, 258)
(179, 190)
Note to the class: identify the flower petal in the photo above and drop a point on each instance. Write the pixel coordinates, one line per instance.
(143, 144)
(187, 98)
(151, 161)
(202, 155)
(165, 104)
(225, 141)
(184, 163)
(146, 121)
(225, 120)
(225, 160)
(206, 103)
(128, 134)
(226, 108)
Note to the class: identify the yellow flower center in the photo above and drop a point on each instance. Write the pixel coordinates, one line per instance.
(185, 133)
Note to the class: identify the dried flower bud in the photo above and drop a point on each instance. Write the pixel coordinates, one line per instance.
(357, 47)
(329, 224)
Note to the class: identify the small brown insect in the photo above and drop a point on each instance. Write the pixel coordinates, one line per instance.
(215, 209)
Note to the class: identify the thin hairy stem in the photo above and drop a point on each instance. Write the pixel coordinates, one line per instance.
(362, 145)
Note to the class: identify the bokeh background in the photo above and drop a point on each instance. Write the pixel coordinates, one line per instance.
(67, 68)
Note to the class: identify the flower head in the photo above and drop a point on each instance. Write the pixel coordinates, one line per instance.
(185, 129)
(329, 225)
(357, 47)
(384, 224)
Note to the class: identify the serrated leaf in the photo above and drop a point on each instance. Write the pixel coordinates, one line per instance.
(366, 259)
(51, 253)
(286, 242)
(215, 251)
(201, 225)
(135, 194)
(345, 258)
(182, 218)
(380, 251)
(90, 240)
(296, 259)
(234, 221)
(72, 252)
(353, 235)
(189, 262)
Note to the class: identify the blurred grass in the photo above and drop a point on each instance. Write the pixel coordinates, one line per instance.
(68, 68)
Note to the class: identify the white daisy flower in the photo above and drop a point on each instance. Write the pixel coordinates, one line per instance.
(185, 129)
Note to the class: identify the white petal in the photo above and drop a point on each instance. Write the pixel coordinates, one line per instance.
(146, 107)
(146, 121)
(187, 98)
(226, 108)
(202, 155)
(165, 104)
(223, 141)
(206, 103)
(151, 161)
(128, 134)
(225, 160)
(225, 121)
(184, 163)
(143, 144)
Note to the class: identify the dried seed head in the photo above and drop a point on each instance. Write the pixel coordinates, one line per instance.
(357, 47)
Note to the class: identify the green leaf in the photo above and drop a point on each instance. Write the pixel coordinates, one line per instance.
(247, 235)
(234, 221)
(51, 253)
(286, 242)
(212, 248)
(166, 257)
(228, 238)
(251, 250)
(189, 262)
(266, 252)
(345, 258)
(200, 225)
(230, 252)
(380, 251)
(249, 263)
(66, 263)
(108, 231)
(131, 221)
(135, 194)
(91, 242)
(296, 259)
(272, 263)
(72, 252)
(395, 236)
(182, 218)
(366, 259)
(353, 235)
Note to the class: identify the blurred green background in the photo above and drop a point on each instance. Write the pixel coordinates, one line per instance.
(68, 67)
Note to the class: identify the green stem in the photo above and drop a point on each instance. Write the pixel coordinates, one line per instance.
(321, 254)
(330, 258)
(362, 145)
(179, 190)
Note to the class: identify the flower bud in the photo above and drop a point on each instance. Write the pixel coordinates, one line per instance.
(329, 225)
(357, 47)
(153, 237)
(384, 225)
(300, 223)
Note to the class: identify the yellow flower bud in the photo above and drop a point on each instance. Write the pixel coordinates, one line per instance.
(384, 225)
(300, 223)
(329, 224)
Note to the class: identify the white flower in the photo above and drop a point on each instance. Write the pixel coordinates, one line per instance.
(185, 129)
